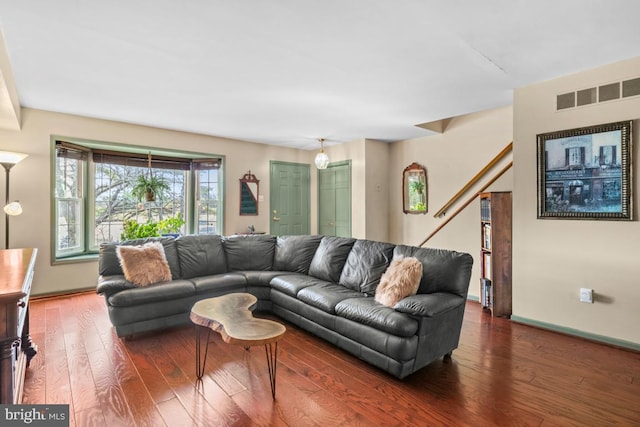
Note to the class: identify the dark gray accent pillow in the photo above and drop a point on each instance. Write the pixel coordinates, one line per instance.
(109, 264)
(249, 252)
(294, 253)
(365, 265)
(201, 255)
(329, 259)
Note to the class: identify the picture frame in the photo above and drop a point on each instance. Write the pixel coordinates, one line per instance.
(249, 191)
(585, 173)
(414, 189)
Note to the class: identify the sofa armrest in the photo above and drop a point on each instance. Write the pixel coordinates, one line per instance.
(429, 305)
(109, 285)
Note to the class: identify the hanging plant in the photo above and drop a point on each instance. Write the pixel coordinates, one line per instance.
(148, 187)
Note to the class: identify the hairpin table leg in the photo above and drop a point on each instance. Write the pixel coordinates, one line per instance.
(271, 350)
(201, 363)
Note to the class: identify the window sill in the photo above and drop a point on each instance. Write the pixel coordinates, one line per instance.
(75, 259)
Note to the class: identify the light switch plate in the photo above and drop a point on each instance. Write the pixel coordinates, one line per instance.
(586, 295)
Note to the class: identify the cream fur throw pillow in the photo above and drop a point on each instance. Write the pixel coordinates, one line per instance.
(400, 280)
(144, 265)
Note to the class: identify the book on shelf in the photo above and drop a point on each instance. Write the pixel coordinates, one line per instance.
(486, 292)
(486, 265)
(486, 236)
(485, 209)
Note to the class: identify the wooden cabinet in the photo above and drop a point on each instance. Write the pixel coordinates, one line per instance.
(495, 253)
(16, 348)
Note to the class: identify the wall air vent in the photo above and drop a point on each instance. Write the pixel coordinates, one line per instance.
(631, 87)
(593, 95)
(587, 96)
(566, 100)
(609, 92)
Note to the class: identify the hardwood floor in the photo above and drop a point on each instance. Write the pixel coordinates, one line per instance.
(502, 374)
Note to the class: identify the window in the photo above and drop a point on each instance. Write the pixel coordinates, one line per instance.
(574, 157)
(94, 194)
(69, 206)
(207, 196)
(608, 155)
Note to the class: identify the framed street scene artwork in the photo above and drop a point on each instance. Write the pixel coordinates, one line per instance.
(585, 173)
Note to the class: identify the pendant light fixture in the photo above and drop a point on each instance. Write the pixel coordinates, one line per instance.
(322, 160)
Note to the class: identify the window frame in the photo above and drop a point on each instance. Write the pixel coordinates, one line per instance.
(82, 183)
(87, 198)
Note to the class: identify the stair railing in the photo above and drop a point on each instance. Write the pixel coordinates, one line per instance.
(473, 180)
(467, 202)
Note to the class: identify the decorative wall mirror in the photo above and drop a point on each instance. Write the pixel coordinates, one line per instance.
(414, 189)
(249, 186)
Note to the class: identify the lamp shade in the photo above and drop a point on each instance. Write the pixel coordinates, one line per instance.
(11, 158)
(322, 160)
(13, 208)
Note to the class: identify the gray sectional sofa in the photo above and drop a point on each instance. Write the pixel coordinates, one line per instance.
(323, 284)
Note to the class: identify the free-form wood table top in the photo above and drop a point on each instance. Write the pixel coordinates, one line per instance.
(230, 315)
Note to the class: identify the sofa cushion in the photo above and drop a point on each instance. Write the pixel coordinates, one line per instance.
(249, 252)
(220, 283)
(201, 255)
(144, 265)
(442, 269)
(365, 264)
(294, 253)
(368, 312)
(292, 283)
(400, 280)
(326, 295)
(261, 278)
(329, 259)
(166, 291)
(109, 264)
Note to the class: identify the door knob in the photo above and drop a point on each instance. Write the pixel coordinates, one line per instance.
(275, 218)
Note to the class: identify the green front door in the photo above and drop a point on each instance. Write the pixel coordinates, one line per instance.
(289, 200)
(334, 200)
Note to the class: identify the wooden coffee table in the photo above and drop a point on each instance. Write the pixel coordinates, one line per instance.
(230, 315)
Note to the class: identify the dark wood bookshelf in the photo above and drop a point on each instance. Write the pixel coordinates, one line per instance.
(495, 252)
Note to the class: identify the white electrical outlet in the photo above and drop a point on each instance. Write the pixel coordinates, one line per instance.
(586, 295)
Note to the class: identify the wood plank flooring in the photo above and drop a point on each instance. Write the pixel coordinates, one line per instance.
(502, 374)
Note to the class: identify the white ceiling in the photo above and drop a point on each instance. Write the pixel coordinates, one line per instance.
(287, 72)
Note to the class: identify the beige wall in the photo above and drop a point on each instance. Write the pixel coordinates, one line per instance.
(553, 259)
(451, 160)
(30, 181)
(377, 182)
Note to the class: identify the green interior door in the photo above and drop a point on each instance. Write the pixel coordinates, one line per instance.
(289, 200)
(334, 200)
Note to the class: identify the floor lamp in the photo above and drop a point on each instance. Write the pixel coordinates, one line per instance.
(8, 160)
